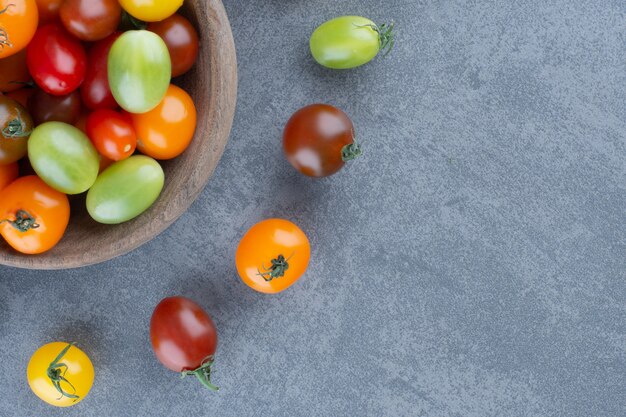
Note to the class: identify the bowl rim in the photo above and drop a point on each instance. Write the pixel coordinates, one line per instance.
(223, 82)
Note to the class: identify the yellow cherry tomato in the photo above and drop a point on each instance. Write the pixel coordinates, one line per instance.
(60, 374)
(151, 10)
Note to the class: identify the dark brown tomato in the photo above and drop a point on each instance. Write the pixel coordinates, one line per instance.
(91, 20)
(184, 337)
(13, 72)
(95, 90)
(319, 139)
(15, 128)
(45, 107)
(181, 39)
(22, 95)
(48, 10)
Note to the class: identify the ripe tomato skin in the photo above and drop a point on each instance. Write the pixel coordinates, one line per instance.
(167, 130)
(47, 207)
(112, 134)
(318, 139)
(184, 338)
(151, 10)
(95, 90)
(349, 41)
(18, 23)
(267, 241)
(15, 128)
(56, 60)
(91, 20)
(80, 374)
(13, 72)
(181, 39)
(8, 174)
(46, 107)
(48, 10)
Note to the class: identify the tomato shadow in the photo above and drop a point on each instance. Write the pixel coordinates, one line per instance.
(86, 335)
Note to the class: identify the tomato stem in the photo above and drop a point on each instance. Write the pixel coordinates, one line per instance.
(16, 128)
(56, 372)
(7, 8)
(4, 39)
(277, 270)
(351, 151)
(386, 37)
(203, 373)
(23, 222)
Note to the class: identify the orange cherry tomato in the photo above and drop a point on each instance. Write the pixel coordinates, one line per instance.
(8, 174)
(22, 95)
(166, 131)
(33, 216)
(13, 72)
(273, 255)
(18, 23)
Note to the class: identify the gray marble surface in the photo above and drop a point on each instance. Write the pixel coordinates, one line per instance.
(472, 263)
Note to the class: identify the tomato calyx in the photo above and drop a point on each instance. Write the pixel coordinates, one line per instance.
(16, 128)
(277, 270)
(56, 372)
(351, 151)
(4, 36)
(23, 221)
(203, 373)
(386, 36)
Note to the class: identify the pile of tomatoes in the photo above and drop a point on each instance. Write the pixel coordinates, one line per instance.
(87, 106)
(77, 139)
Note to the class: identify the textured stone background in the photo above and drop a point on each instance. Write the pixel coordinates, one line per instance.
(471, 264)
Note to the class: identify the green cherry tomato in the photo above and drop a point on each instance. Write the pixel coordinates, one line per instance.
(139, 70)
(63, 157)
(125, 190)
(350, 41)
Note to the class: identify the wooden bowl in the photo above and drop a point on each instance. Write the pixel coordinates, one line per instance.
(213, 85)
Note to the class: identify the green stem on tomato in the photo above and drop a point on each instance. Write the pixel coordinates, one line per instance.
(23, 222)
(16, 128)
(387, 37)
(203, 373)
(277, 270)
(56, 372)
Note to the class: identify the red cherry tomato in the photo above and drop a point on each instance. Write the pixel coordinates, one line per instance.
(181, 39)
(56, 60)
(184, 338)
(45, 107)
(112, 134)
(318, 139)
(95, 90)
(91, 20)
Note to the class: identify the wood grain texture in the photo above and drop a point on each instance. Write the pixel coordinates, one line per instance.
(212, 83)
